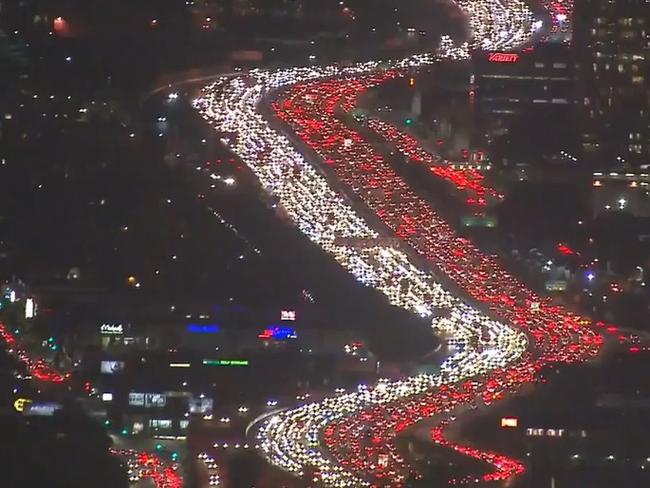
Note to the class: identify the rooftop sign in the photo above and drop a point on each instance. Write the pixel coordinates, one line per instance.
(112, 329)
(503, 57)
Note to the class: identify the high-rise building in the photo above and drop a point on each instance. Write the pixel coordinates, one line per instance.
(512, 83)
(612, 42)
(528, 98)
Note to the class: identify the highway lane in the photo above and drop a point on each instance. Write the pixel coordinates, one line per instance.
(491, 357)
(384, 267)
(311, 108)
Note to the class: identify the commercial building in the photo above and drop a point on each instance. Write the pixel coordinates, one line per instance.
(628, 191)
(612, 44)
(509, 83)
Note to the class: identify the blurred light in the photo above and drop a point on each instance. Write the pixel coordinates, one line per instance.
(29, 308)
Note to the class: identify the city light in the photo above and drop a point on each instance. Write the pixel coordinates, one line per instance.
(29, 308)
(492, 358)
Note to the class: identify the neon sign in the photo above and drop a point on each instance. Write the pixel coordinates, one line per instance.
(503, 57)
(203, 328)
(21, 403)
(278, 333)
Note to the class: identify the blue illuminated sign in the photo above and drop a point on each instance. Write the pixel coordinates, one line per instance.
(279, 333)
(203, 328)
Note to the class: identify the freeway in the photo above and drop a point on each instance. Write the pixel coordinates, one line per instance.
(36, 367)
(502, 332)
(143, 465)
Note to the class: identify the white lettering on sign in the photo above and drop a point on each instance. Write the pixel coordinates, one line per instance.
(112, 329)
(287, 315)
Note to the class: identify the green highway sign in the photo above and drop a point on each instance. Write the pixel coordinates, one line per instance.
(225, 362)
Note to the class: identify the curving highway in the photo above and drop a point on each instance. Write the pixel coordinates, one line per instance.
(286, 126)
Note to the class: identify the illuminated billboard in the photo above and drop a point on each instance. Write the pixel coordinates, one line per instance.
(42, 409)
(202, 406)
(155, 400)
(288, 315)
(136, 399)
(111, 367)
(160, 423)
(478, 221)
(30, 308)
(555, 285)
(111, 329)
(278, 333)
(509, 422)
(202, 328)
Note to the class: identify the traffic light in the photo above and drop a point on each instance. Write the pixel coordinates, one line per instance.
(125, 432)
(174, 456)
(159, 446)
(411, 82)
(50, 339)
(107, 423)
(409, 121)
